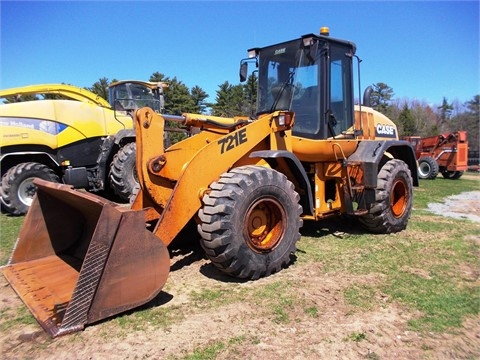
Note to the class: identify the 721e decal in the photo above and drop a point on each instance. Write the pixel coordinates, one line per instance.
(231, 141)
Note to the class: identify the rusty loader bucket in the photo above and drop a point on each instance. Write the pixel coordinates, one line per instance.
(80, 258)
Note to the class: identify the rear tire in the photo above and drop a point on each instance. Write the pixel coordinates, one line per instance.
(123, 172)
(393, 199)
(250, 222)
(452, 175)
(427, 168)
(18, 190)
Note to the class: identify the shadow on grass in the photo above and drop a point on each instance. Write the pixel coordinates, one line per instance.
(337, 226)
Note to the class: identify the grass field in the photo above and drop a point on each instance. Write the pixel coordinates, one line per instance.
(430, 270)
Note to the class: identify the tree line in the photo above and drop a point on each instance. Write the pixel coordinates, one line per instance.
(412, 117)
(231, 100)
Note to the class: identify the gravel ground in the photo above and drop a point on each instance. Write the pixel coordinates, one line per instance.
(463, 206)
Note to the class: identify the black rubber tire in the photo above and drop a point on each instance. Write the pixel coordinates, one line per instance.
(452, 175)
(123, 173)
(6, 206)
(427, 168)
(393, 199)
(18, 190)
(250, 221)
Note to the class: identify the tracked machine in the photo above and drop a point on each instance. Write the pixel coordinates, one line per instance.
(248, 183)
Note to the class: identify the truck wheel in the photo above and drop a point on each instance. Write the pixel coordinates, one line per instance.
(452, 175)
(123, 173)
(18, 189)
(250, 222)
(393, 199)
(427, 168)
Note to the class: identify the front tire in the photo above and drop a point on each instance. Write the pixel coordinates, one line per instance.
(393, 199)
(123, 172)
(250, 222)
(18, 190)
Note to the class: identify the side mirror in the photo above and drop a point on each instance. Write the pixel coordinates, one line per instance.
(243, 71)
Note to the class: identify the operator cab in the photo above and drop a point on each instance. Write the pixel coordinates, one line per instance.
(129, 96)
(311, 76)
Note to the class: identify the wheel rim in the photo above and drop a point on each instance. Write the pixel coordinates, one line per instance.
(399, 198)
(424, 169)
(26, 191)
(264, 224)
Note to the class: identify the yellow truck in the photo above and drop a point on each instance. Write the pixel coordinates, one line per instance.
(247, 183)
(82, 139)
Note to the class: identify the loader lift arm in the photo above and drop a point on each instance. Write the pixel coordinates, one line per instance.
(172, 202)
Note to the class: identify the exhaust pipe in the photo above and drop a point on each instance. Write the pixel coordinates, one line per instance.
(80, 258)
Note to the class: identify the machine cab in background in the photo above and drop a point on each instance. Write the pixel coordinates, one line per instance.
(311, 76)
(131, 95)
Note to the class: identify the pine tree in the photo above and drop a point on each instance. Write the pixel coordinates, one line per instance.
(101, 87)
(469, 121)
(230, 101)
(198, 97)
(380, 98)
(250, 95)
(19, 98)
(444, 116)
(407, 121)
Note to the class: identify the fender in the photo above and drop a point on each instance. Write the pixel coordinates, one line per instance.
(29, 154)
(371, 153)
(119, 139)
(124, 136)
(11, 159)
(296, 168)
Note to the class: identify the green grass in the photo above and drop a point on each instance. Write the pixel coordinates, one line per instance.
(312, 311)
(14, 317)
(436, 190)
(206, 353)
(421, 266)
(9, 228)
(428, 269)
(278, 298)
(150, 318)
(208, 296)
(360, 296)
(357, 336)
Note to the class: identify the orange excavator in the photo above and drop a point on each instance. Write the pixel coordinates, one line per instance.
(248, 183)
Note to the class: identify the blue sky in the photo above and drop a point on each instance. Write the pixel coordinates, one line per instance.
(424, 50)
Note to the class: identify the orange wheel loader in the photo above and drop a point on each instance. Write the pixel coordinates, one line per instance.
(249, 183)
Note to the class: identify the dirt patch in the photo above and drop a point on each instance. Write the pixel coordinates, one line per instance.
(318, 324)
(250, 328)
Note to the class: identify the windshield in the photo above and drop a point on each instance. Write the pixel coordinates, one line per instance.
(312, 81)
(131, 96)
(276, 76)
